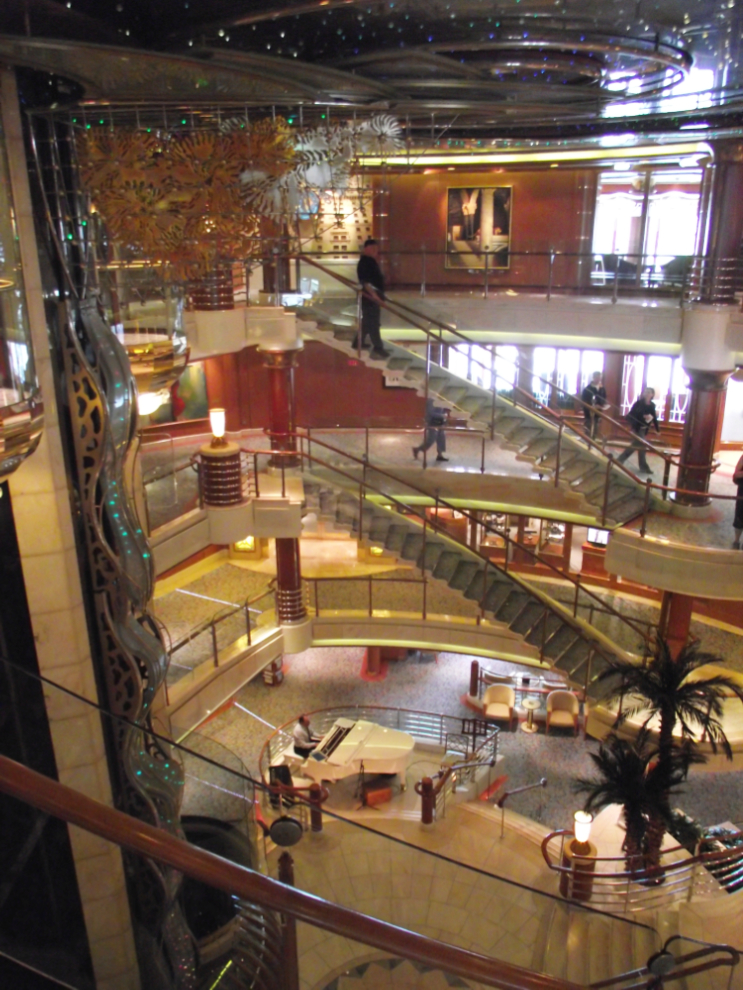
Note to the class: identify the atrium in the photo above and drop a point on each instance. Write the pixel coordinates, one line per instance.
(220, 511)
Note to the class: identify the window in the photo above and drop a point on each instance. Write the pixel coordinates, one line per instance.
(632, 374)
(543, 367)
(506, 358)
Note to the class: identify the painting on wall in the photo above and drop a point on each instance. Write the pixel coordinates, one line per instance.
(478, 227)
(188, 399)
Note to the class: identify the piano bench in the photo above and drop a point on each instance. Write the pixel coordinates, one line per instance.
(377, 791)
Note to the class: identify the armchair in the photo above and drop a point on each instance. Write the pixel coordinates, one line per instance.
(498, 702)
(562, 710)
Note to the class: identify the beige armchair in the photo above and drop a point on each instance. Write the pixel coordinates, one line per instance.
(562, 710)
(498, 702)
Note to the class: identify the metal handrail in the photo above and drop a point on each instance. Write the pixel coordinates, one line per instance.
(146, 840)
(393, 305)
(363, 484)
(626, 890)
(676, 973)
(501, 802)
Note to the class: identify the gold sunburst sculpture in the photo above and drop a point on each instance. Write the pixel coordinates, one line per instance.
(194, 200)
(177, 199)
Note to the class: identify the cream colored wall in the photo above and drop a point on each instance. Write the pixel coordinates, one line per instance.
(43, 519)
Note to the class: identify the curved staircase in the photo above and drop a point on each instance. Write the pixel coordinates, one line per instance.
(569, 644)
(532, 437)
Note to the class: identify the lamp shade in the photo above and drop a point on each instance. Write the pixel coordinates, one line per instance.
(582, 825)
(218, 422)
(149, 402)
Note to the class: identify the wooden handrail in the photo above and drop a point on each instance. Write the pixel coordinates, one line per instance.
(214, 871)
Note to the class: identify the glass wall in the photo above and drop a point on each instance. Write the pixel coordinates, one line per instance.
(646, 225)
(664, 374)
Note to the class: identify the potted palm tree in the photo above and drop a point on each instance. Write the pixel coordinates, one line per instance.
(674, 692)
(630, 775)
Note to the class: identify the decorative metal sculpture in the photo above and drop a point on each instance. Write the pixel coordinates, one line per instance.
(133, 662)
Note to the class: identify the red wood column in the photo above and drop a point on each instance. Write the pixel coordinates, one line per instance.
(280, 366)
(289, 594)
(700, 433)
(675, 620)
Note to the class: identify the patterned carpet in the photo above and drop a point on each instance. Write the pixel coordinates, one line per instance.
(321, 678)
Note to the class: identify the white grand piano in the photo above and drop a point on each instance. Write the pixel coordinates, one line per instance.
(342, 751)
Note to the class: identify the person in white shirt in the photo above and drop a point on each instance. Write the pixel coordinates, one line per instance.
(304, 741)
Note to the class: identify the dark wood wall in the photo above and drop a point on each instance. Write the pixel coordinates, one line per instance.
(551, 209)
(330, 390)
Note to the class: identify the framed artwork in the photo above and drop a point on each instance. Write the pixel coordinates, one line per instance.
(478, 225)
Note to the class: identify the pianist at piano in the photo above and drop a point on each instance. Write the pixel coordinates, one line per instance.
(353, 747)
(304, 740)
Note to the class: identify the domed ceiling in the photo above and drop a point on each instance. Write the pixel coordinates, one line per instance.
(455, 67)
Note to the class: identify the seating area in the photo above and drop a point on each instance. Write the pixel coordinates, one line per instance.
(525, 697)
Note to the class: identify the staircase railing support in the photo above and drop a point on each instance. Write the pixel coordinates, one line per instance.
(557, 455)
(290, 956)
(607, 480)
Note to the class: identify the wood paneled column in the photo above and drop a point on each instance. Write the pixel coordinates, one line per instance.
(700, 433)
(289, 594)
(280, 366)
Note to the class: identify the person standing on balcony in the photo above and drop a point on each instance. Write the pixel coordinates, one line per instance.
(738, 520)
(593, 396)
(436, 417)
(371, 278)
(640, 417)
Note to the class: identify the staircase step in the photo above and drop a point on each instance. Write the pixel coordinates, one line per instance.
(447, 565)
(525, 435)
(576, 469)
(512, 606)
(479, 586)
(379, 528)
(412, 546)
(592, 484)
(462, 577)
(432, 555)
(454, 393)
(575, 658)
(399, 363)
(474, 404)
(541, 446)
(396, 537)
(529, 619)
(497, 594)
(508, 426)
(543, 630)
(560, 640)
(567, 456)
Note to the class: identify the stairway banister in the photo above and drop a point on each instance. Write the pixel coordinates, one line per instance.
(442, 531)
(146, 840)
(393, 305)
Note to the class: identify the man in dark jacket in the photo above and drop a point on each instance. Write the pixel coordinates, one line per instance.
(640, 417)
(371, 278)
(594, 397)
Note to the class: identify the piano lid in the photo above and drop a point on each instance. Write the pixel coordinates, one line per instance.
(361, 740)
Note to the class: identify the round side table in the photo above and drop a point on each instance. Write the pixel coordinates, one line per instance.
(531, 705)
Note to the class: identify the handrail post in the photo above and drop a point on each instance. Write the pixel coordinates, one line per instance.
(214, 645)
(645, 506)
(482, 454)
(559, 450)
(366, 442)
(549, 276)
(615, 290)
(425, 426)
(247, 622)
(493, 386)
(423, 271)
(666, 478)
(485, 278)
(289, 955)
(255, 471)
(423, 560)
(607, 479)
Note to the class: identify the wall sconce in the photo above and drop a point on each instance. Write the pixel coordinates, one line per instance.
(218, 423)
(582, 822)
